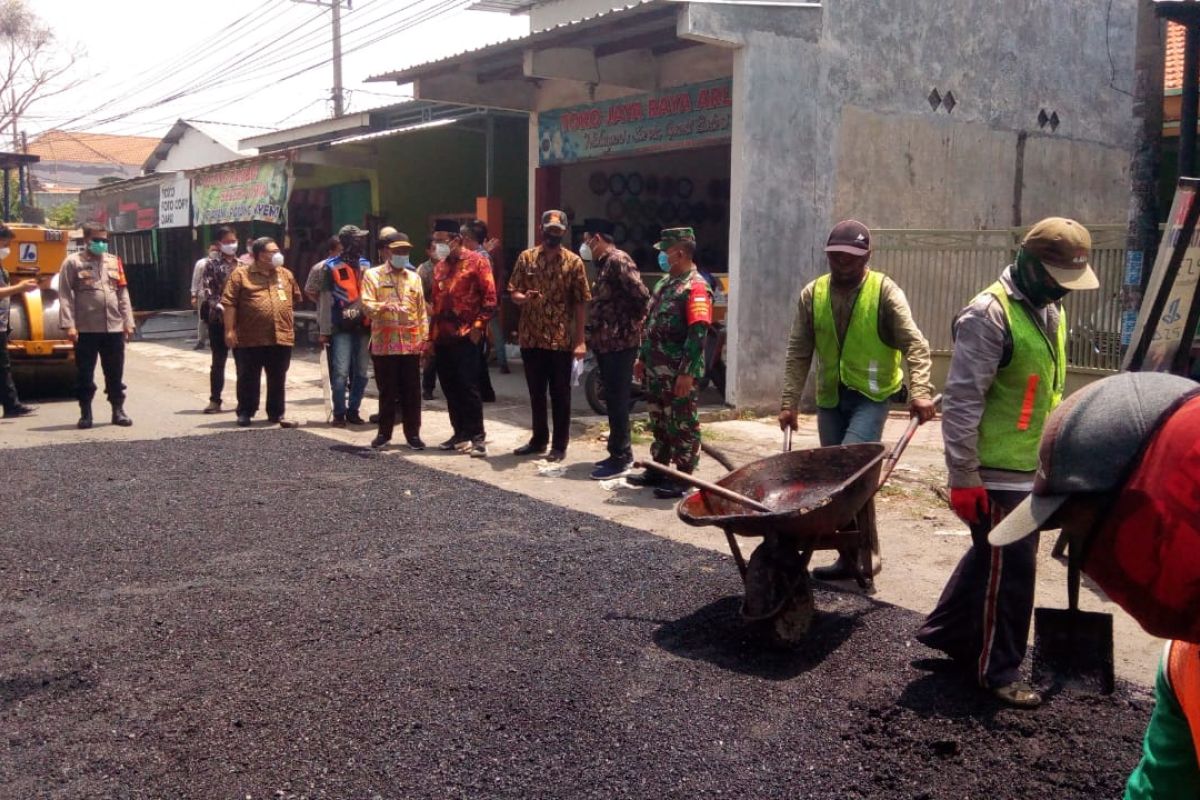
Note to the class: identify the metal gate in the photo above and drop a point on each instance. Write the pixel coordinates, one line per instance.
(940, 271)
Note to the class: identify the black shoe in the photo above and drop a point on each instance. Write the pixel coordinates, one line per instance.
(610, 468)
(556, 455)
(338, 422)
(85, 415)
(373, 419)
(119, 417)
(213, 407)
(450, 444)
(415, 443)
(380, 441)
(648, 477)
(19, 410)
(670, 490)
(354, 418)
(427, 395)
(489, 397)
(530, 449)
(477, 449)
(243, 421)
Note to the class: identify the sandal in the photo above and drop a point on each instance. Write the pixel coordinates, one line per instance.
(1018, 694)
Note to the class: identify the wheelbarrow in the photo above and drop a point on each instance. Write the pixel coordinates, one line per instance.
(797, 502)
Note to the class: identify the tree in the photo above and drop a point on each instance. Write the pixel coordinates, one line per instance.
(33, 66)
(63, 216)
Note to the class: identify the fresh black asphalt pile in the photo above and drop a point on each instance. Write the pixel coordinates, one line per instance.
(266, 615)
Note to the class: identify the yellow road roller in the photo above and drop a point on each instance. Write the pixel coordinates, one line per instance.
(36, 341)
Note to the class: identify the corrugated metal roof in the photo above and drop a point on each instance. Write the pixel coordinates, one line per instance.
(516, 44)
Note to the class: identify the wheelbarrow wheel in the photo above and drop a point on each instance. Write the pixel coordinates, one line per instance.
(791, 625)
(778, 598)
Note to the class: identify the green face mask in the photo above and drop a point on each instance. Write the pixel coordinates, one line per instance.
(98, 248)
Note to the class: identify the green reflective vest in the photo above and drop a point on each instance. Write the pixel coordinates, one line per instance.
(863, 363)
(1024, 392)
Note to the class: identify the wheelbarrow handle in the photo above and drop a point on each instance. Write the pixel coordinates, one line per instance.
(893, 457)
(720, 491)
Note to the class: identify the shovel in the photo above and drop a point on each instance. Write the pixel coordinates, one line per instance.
(1073, 646)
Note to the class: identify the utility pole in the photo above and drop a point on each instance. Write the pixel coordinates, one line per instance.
(335, 6)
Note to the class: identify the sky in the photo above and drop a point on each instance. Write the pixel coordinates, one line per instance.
(147, 63)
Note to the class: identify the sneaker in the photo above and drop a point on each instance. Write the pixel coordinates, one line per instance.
(415, 443)
(671, 490)
(354, 418)
(477, 450)
(613, 468)
(337, 422)
(19, 410)
(379, 441)
(450, 444)
(648, 477)
(214, 407)
(243, 421)
(284, 422)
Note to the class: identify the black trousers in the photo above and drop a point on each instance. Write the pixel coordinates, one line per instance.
(399, 381)
(486, 390)
(549, 370)
(110, 349)
(251, 363)
(8, 389)
(458, 370)
(429, 376)
(982, 618)
(220, 354)
(616, 373)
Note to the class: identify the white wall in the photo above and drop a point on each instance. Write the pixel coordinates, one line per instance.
(195, 150)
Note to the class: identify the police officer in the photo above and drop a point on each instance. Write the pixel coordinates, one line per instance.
(858, 323)
(671, 360)
(1007, 373)
(13, 407)
(95, 311)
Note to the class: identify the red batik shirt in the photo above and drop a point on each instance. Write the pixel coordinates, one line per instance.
(464, 296)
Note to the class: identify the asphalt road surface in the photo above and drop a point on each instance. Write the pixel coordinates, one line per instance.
(272, 614)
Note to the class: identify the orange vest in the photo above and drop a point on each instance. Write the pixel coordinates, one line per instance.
(1183, 674)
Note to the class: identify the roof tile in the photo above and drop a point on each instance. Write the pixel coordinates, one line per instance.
(94, 148)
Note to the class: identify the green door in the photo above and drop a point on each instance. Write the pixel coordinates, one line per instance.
(350, 203)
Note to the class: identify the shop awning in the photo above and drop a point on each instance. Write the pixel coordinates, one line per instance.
(502, 75)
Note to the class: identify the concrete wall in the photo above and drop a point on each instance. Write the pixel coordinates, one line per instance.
(831, 119)
(195, 150)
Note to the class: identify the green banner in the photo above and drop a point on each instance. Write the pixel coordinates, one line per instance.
(241, 194)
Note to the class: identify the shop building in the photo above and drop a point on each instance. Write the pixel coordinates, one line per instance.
(762, 123)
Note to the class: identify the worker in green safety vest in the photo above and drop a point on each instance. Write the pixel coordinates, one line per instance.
(1007, 373)
(857, 322)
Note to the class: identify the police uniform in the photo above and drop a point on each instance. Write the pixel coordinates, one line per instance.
(676, 327)
(94, 300)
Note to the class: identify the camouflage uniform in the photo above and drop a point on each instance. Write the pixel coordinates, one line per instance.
(680, 315)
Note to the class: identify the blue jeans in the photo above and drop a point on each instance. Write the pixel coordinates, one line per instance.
(349, 355)
(855, 419)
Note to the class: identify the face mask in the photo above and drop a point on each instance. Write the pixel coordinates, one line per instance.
(98, 248)
(4, 251)
(664, 263)
(441, 250)
(229, 249)
(401, 262)
(277, 260)
(552, 239)
(1035, 283)
(585, 252)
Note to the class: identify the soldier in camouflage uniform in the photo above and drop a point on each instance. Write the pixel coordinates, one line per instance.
(671, 360)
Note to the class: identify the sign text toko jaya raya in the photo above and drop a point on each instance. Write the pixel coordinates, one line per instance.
(676, 117)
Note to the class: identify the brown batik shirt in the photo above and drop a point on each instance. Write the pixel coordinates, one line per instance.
(548, 322)
(619, 303)
(264, 300)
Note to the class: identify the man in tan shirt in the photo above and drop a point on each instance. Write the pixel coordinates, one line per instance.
(260, 329)
(95, 311)
(857, 323)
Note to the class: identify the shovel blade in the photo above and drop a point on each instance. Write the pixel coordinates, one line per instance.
(1073, 647)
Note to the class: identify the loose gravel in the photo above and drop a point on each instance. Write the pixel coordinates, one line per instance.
(261, 615)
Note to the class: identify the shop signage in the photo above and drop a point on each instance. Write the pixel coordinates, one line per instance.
(175, 204)
(701, 112)
(122, 208)
(242, 194)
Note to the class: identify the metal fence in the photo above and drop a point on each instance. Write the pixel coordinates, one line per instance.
(940, 271)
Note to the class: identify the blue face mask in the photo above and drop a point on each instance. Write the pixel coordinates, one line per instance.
(663, 262)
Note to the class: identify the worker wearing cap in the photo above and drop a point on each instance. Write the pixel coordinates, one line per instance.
(858, 323)
(1119, 472)
(395, 299)
(1007, 373)
(346, 328)
(671, 360)
(617, 316)
(549, 284)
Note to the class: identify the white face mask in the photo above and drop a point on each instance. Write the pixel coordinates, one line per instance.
(401, 262)
(229, 249)
(4, 251)
(585, 252)
(441, 250)
(277, 260)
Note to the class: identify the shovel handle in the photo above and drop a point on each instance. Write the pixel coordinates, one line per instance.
(720, 491)
(893, 457)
